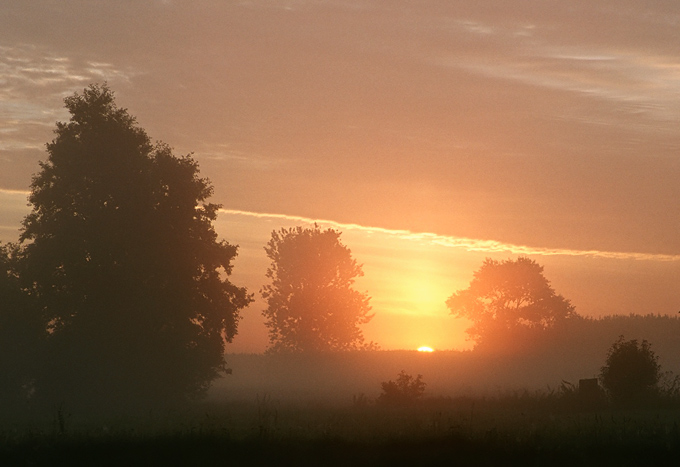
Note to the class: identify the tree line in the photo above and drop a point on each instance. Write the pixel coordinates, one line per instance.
(117, 294)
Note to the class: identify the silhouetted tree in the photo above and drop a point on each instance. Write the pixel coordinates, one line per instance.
(311, 303)
(121, 254)
(631, 372)
(406, 390)
(20, 335)
(508, 297)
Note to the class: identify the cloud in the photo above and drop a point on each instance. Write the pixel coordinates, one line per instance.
(224, 153)
(476, 27)
(640, 78)
(467, 244)
(334, 100)
(33, 82)
(5, 191)
(13, 208)
(640, 84)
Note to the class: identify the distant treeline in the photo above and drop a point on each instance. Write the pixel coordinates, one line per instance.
(540, 361)
(580, 334)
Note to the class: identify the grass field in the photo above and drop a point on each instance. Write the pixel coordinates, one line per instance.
(517, 429)
(322, 410)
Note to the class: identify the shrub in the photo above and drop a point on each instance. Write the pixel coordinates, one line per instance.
(406, 390)
(631, 372)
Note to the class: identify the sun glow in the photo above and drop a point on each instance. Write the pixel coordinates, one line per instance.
(425, 349)
(408, 281)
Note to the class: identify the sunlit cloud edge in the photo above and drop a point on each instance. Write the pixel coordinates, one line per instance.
(9, 191)
(468, 244)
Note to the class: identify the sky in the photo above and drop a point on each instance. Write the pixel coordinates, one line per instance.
(433, 134)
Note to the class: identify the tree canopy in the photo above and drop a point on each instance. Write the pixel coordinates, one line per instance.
(120, 253)
(509, 295)
(311, 303)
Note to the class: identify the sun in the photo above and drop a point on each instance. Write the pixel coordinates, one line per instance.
(425, 349)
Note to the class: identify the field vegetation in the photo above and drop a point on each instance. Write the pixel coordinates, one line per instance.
(519, 428)
(323, 409)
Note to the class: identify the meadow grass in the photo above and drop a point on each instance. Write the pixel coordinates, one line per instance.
(322, 410)
(515, 429)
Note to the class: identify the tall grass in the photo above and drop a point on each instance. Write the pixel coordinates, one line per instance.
(539, 428)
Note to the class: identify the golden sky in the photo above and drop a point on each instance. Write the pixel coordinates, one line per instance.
(433, 134)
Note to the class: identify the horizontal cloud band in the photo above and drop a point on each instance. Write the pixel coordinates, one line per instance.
(469, 244)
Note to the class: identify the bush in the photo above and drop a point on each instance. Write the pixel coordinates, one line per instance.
(631, 372)
(405, 391)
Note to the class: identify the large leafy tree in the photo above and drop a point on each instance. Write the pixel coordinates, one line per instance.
(312, 306)
(506, 296)
(122, 257)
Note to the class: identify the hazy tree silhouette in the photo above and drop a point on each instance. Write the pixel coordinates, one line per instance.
(406, 390)
(311, 305)
(20, 335)
(631, 372)
(509, 296)
(121, 254)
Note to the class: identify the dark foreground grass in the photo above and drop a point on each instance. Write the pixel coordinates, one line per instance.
(499, 449)
(462, 432)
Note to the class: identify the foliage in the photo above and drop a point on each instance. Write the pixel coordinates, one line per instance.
(311, 305)
(406, 390)
(669, 386)
(631, 372)
(20, 334)
(122, 257)
(506, 296)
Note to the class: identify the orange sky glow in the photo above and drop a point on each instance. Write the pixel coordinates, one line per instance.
(432, 134)
(410, 275)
